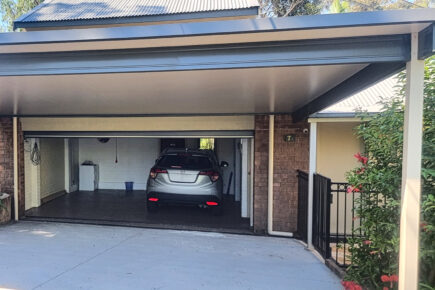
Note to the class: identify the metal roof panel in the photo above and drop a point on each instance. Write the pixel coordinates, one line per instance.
(66, 10)
(368, 99)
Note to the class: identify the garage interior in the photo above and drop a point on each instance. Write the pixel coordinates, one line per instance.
(60, 186)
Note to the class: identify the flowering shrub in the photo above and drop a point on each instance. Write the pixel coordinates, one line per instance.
(374, 253)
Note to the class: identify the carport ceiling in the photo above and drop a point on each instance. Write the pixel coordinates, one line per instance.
(295, 65)
(259, 90)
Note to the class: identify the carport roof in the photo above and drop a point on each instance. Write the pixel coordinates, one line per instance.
(296, 65)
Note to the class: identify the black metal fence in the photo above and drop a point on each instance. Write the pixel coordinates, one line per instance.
(321, 214)
(302, 205)
(343, 222)
(334, 217)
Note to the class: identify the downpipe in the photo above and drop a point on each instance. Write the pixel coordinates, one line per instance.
(270, 230)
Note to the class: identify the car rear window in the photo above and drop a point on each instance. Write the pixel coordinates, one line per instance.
(185, 161)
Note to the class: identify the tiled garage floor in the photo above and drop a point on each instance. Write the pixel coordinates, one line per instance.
(56, 256)
(128, 208)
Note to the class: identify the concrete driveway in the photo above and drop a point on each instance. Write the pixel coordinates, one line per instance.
(36, 255)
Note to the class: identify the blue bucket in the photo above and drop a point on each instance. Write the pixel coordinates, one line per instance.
(129, 185)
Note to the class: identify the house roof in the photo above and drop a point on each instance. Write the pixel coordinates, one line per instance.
(55, 11)
(367, 100)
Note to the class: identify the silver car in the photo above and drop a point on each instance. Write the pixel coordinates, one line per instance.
(186, 177)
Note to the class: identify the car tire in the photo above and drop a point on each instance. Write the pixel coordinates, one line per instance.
(152, 207)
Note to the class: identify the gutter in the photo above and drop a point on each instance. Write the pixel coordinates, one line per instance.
(270, 230)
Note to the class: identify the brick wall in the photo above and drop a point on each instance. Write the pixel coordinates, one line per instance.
(6, 156)
(7, 161)
(288, 157)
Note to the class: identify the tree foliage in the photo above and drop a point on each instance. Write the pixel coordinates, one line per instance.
(374, 254)
(283, 8)
(341, 6)
(12, 9)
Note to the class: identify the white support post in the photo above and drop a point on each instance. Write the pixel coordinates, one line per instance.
(67, 165)
(311, 171)
(244, 179)
(251, 184)
(15, 150)
(411, 171)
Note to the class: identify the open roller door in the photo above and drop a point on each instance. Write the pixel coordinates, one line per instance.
(60, 186)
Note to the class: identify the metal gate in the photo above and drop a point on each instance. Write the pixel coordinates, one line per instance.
(302, 205)
(321, 214)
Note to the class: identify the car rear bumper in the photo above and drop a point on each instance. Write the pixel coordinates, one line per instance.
(181, 199)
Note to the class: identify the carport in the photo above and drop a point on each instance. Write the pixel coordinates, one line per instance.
(293, 66)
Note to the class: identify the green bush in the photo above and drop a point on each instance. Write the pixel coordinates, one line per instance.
(374, 255)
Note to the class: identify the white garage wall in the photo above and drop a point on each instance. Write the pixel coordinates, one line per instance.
(136, 156)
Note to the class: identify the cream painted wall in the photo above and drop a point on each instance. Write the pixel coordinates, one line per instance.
(336, 145)
(32, 180)
(52, 167)
(139, 123)
(136, 156)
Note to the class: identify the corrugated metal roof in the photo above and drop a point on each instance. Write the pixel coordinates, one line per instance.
(367, 100)
(61, 10)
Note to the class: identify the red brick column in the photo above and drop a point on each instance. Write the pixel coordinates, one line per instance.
(7, 161)
(6, 156)
(288, 158)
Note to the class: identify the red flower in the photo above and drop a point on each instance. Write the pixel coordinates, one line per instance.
(385, 288)
(423, 226)
(360, 171)
(373, 252)
(385, 278)
(350, 285)
(367, 242)
(351, 189)
(394, 278)
(361, 158)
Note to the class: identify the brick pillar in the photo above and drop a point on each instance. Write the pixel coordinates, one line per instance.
(288, 158)
(7, 161)
(6, 156)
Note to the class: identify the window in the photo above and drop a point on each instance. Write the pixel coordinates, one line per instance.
(185, 161)
(206, 143)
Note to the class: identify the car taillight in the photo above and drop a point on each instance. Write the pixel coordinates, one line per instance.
(214, 176)
(155, 199)
(155, 171)
(211, 203)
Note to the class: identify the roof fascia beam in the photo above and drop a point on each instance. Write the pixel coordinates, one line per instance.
(426, 39)
(356, 50)
(368, 76)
